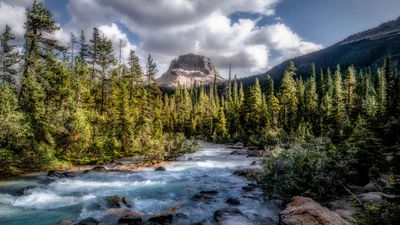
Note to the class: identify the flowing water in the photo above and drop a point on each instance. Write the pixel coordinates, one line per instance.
(51, 200)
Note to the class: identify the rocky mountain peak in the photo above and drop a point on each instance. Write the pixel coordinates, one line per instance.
(189, 69)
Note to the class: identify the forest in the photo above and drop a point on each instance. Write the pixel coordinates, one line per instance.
(80, 104)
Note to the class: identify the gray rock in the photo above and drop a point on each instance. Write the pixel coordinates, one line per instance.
(54, 173)
(376, 197)
(233, 201)
(188, 69)
(113, 201)
(160, 168)
(89, 221)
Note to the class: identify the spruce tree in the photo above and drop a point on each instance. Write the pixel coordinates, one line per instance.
(288, 98)
(84, 48)
(9, 57)
(310, 95)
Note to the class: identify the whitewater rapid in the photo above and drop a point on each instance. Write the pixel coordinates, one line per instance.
(48, 201)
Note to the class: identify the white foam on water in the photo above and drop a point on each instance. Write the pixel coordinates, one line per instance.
(48, 200)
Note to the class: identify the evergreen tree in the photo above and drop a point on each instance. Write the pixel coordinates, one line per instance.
(288, 97)
(84, 48)
(9, 57)
(338, 104)
(381, 92)
(349, 85)
(310, 95)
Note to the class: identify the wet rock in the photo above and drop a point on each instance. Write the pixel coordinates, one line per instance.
(126, 202)
(119, 211)
(247, 188)
(65, 222)
(175, 208)
(210, 193)
(239, 152)
(25, 189)
(303, 210)
(244, 172)
(160, 168)
(376, 197)
(230, 216)
(130, 220)
(113, 201)
(100, 169)
(238, 145)
(253, 163)
(54, 173)
(181, 215)
(252, 154)
(201, 197)
(233, 201)
(69, 174)
(343, 206)
(256, 219)
(162, 219)
(89, 221)
(189, 159)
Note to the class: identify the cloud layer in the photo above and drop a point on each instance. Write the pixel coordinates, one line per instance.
(168, 28)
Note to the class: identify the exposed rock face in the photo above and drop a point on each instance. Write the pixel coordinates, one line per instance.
(306, 211)
(188, 70)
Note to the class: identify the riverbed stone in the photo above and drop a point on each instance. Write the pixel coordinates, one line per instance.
(89, 221)
(113, 201)
(233, 201)
(253, 163)
(100, 169)
(238, 145)
(54, 173)
(126, 202)
(161, 219)
(302, 210)
(230, 216)
(160, 168)
(66, 222)
(130, 220)
(69, 174)
(244, 172)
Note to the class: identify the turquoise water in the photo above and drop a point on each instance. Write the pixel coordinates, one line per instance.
(51, 200)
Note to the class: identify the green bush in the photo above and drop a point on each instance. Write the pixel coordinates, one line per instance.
(315, 169)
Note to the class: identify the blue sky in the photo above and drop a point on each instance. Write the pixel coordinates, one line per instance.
(253, 35)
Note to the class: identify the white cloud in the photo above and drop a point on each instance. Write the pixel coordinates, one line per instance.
(168, 28)
(14, 16)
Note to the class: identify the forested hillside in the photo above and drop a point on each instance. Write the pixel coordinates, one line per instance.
(365, 49)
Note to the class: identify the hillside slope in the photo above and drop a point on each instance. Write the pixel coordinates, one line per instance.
(365, 49)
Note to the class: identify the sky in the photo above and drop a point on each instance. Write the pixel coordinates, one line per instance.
(252, 35)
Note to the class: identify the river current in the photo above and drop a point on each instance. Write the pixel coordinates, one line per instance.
(51, 200)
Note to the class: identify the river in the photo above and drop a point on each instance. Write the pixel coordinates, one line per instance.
(51, 200)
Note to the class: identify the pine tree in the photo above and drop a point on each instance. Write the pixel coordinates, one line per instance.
(381, 92)
(94, 50)
(338, 104)
(39, 28)
(73, 43)
(9, 57)
(349, 85)
(84, 48)
(311, 96)
(251, 109)
(288, 97)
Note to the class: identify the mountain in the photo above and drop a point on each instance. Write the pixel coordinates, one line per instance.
(364, 49)
(188, 70)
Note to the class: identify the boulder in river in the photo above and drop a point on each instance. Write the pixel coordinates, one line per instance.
(69, 174)
(54, 173)
(89, 221)
(233, 201)
(66, 222)
(303, 210)
(126, 202)
(253, 163)
(244, 172)
(113, 201)
(209, 193)
(227, 216)
(100, 169)
(130, 220)
(160, 168)
(238, 145)
(161, 219)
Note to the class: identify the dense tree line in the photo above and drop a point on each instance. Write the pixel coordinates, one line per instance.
(76, 104)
